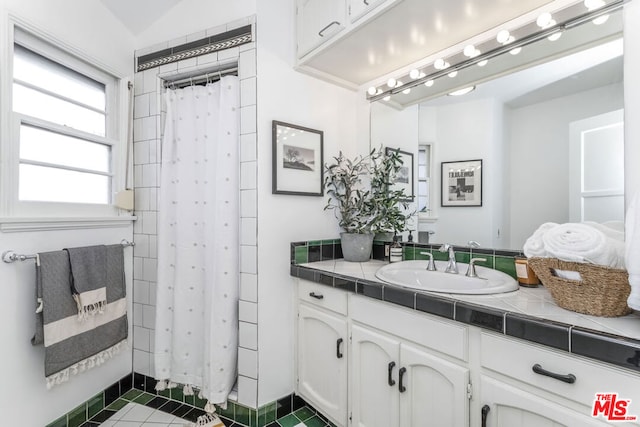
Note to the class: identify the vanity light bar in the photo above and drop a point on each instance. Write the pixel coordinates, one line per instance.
(524, 41)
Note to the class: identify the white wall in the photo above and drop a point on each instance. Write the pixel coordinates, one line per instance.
(468, 131)
(539, 143)
(284, 94)
(89, 28)
(190, 16)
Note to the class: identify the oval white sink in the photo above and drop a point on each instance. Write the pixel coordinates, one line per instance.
(414, 275)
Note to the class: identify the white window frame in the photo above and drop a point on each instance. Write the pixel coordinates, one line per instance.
(11, 208)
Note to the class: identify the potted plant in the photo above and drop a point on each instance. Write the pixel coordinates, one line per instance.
(347, 184)
(390, 205)
(363, 200)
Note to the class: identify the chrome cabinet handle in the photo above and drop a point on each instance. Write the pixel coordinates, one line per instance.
(327, 27)
(569, 378)
(316, 296)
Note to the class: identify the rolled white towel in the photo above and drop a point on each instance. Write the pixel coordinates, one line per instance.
(581, 243)
(614, 231)
(534, 245)
(632, 252)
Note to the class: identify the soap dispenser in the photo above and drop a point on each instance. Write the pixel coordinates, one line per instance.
(395, 252)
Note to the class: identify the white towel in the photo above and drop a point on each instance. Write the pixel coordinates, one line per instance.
(578, 242)
(534, 246)
(632, 251)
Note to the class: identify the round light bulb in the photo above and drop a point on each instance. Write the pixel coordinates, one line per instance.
(555, 36)
(544, 20)
(601, 19)
(503, 36)
(414, 74)
(453, 74)
(469, 50)
(593, 4)
(391, 82)
(372, 90)
(428, 83)
(439, 64)
(483, 63)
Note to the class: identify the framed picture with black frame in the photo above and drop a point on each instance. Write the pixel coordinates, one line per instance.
(297, 160)
(462, 183)
(404, 177)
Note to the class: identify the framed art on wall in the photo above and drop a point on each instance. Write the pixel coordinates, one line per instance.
(462, 183)
(297, 160)
(404, 177)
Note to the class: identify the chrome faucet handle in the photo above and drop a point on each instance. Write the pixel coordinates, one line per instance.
(471, 270)
(444, 248)
(432, 265)
(473, 244)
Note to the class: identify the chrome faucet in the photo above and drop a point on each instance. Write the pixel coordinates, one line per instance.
(431, 266)
(452, 265)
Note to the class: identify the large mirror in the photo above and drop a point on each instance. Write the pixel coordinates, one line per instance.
(548, 130)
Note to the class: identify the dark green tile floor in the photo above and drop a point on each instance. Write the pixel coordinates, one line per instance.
(305, 415)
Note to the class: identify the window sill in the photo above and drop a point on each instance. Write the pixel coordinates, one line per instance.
(14, 225)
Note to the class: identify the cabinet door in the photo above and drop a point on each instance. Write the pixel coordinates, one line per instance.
(359, 8)
(510, 406)
(318, 21)
(322, 361)
(373, 372)
(435, 390)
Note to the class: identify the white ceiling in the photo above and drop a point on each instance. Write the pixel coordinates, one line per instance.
(138, 15)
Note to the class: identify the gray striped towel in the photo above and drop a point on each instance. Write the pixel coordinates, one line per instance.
(73, 346)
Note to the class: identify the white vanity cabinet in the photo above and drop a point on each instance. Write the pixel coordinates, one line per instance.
(318, 21)
(367, 363)
(393, 381)
(560, 394)
(322, 349)
(511, 406)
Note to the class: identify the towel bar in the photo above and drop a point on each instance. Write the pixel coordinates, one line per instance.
(11, 256)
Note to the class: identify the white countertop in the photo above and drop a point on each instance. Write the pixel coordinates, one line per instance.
(536, 302)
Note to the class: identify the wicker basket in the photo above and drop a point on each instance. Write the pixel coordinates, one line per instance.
(603, 291)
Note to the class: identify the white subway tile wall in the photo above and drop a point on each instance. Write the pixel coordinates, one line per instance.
(148, 121)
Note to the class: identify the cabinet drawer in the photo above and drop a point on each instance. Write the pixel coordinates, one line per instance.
(515, 358)
(323, 296)
(421, 328)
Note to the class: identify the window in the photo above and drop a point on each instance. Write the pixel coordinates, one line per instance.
(62, 126)
(424, 178)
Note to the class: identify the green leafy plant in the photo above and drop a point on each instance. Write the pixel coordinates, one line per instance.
(361, 193)
(391, 206)
(350, 199)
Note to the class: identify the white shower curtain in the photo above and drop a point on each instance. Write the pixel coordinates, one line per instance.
(196, 333)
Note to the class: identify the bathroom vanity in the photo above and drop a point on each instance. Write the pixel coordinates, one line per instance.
(374, 354)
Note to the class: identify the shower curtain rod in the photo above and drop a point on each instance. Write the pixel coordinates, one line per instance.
(200, 78)
(10, 256)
